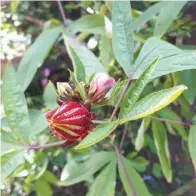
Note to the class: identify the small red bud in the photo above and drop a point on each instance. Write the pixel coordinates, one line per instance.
(70, 122)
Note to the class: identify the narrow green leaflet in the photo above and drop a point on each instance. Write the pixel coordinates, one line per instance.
(137, 182)
(10, 161)
(79, 71)
(165, 20)
(161, 143)
(50, 96)
(169, 114)
(42, 188)
(74, 173)
(136, 89)
(139, 142)
(88, 59)
(172, 58)
(98, 134)
(152, 103)
(192, 143)
(35, 55)
(122, 35)
(147, 15)
(105, 182)
(90, 24)
(15, 105)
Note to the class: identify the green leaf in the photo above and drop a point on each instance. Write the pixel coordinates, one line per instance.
(38, 121)
(152, 103)
(87, 58)
(74, 173)
(15, 105)
(10, 161)
(35, 55)
(90, 24)
(136, 89)
(122, 36)
(165, 20)
(105, 182)
(8, 143)
(161, 144)
(14, 5)
(50, 96)
(136, 180)
(79, 71)
(172, 58)
(49, 177)
(139, 142)
(147, 15)
(42, 188)
(192, 143)
(168, 114)
(98, 134)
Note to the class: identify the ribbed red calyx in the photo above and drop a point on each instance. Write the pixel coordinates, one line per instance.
(71, 122)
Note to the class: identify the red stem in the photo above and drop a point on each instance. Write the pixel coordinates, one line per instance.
(62, 12)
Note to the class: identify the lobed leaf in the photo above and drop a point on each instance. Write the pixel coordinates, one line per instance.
(35, 55)
(74, 173)
(152, 103)
(161, 144)
(165, 20)
(105, 182)
(136, 89)
(98, 134)
(122, 35)
(172, 58)
(15, 105)
(137, 182)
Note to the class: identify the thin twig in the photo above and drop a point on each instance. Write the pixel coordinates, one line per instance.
(124, 169)
(62, 12)
(120, 99)
(123, 136)
(59, 143)
(188, 124)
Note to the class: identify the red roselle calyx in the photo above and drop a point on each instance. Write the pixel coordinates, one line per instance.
(71, 122)
(99, 87)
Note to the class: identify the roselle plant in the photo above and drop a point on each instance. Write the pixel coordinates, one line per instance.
(83, 118)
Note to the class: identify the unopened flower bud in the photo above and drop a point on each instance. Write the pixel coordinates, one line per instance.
(70, 122)
(99, 87)
(64, 89)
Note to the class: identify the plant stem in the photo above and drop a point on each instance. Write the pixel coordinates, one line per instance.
(188, 124)
(59, 143)
(123, 136)
(124, 169)
(62, 12)
(120, 99)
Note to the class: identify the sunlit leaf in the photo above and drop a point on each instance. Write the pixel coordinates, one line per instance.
(42, 188)
(172, 59)
(35, 55)
(74, 173)
(165, 20)
(138, 184)
(98, 134)
(15, 105)
(192, 143)
(152, 103)
(122, 35)
(105, 182)
(161, 143)
(136, 89)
